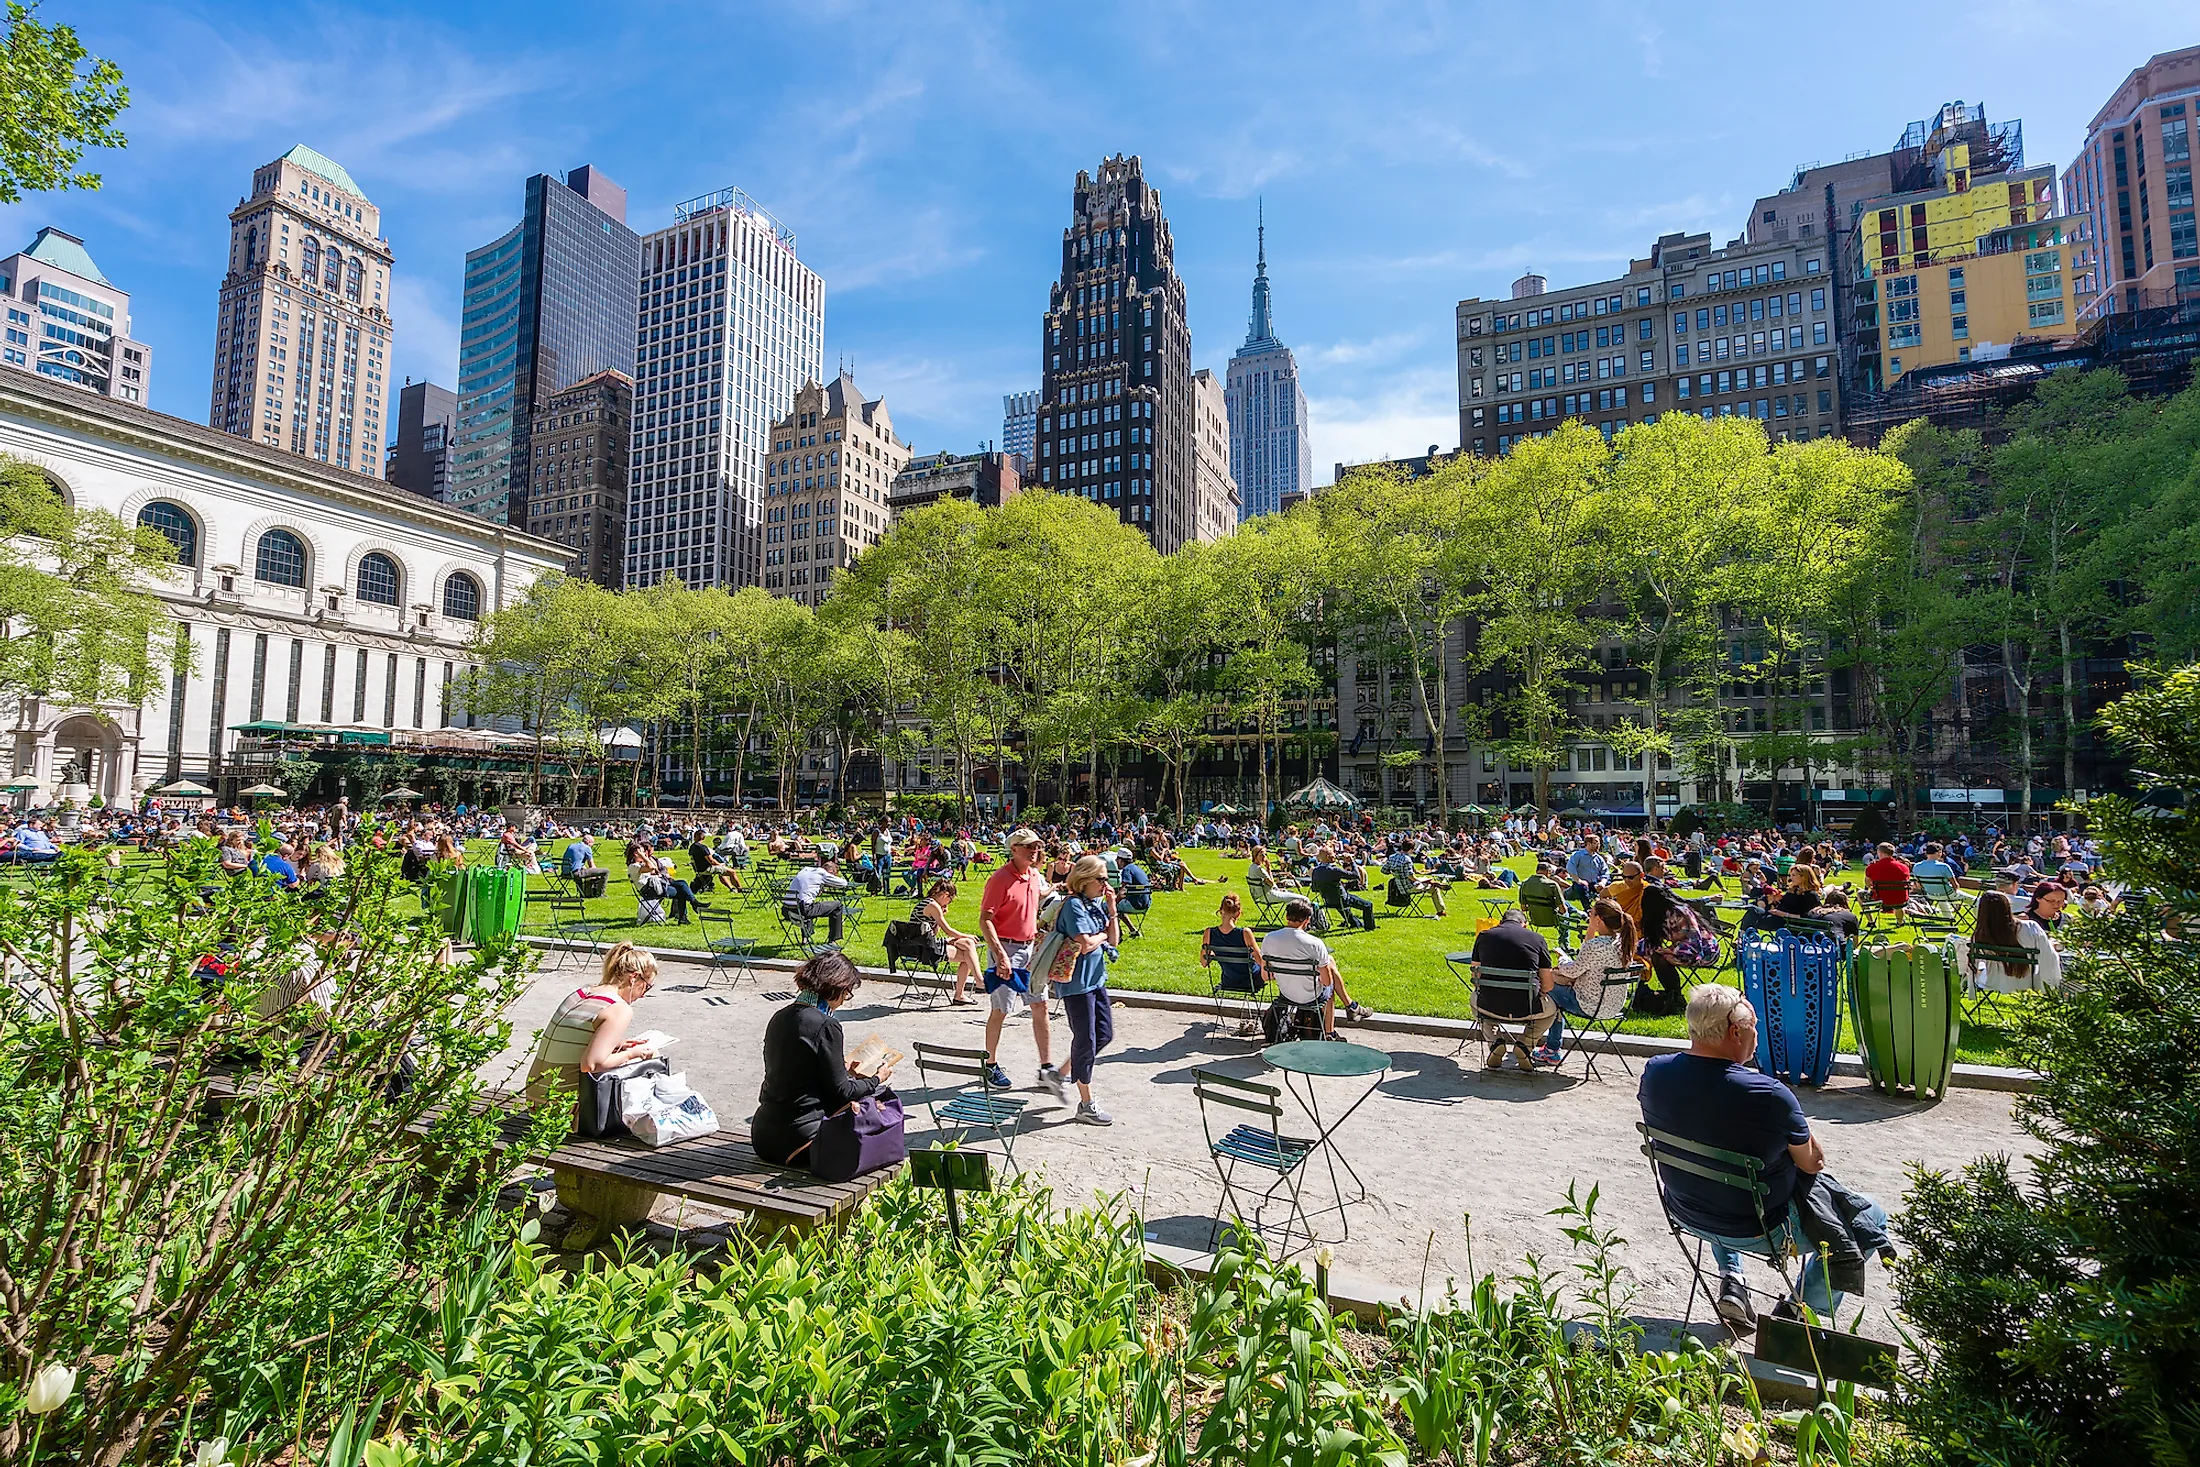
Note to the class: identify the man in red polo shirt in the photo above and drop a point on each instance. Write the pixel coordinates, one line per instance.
(1889, 876)
(1008, 915)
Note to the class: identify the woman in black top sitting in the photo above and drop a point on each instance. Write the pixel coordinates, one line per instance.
(806, 1074)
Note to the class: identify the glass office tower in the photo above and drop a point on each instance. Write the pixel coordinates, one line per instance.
(549, 305)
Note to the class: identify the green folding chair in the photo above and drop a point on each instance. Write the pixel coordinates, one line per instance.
(1263, 1148)
(971, 1103)
(1670, 1153)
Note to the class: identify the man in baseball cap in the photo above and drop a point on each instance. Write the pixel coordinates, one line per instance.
(1008, 915)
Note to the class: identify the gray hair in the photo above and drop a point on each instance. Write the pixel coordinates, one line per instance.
(1712, 1010)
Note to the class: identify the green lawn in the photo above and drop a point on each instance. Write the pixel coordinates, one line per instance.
(1399, 968)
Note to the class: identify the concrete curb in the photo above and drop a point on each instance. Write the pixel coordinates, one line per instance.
(2004, 1078)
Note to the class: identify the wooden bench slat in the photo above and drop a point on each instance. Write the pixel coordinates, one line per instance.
(721, 1169)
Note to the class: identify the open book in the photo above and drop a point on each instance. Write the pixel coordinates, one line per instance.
(872, 1055)
(656, 1039)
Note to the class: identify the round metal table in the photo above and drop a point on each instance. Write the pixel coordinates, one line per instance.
(1304, 1061)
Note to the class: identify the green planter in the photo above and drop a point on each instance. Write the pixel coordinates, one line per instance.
(1908, 1009)
(453, 899)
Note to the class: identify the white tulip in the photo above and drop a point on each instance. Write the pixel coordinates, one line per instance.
(51, 1389)
(211, 1454)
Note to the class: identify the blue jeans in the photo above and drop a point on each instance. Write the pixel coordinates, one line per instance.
(1814, 1291)
(1566, 1001)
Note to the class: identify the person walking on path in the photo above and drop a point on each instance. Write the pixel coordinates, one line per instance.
(1008, 917)
(1091, 932)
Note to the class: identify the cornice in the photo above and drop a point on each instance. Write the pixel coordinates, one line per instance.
(28, 395)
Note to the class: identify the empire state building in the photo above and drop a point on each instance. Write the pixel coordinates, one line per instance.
(1271, 452)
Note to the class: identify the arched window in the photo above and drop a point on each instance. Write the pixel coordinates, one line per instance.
(378, 579)
(352, 274)
(309, 259)
(335, 274)
(281, 559)
(462, 597)
(176, 523)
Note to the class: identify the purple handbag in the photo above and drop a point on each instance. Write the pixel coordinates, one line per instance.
(862, 1137)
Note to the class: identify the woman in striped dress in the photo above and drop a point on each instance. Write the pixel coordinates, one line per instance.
(587, 1031)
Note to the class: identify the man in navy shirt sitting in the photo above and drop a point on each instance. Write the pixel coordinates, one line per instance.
(1712, 1096)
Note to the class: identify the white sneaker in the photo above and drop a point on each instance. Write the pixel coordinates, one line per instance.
(1090, 1113)
(1050, 1079)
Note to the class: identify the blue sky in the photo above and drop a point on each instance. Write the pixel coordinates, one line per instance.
(924, 154)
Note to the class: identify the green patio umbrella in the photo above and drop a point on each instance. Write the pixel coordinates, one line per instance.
(186, 788)
(264, 792)
(21, 785)
(401, 793)
(1225, 810)
(1321, 795)
(1468, 810)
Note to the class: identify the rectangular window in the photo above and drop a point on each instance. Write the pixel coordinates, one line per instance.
(1680, 389)
(1817, 333)
(389, 693)
(1680, 322)
(297, 678)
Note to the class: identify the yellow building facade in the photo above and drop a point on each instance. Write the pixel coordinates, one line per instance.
(1964, 270)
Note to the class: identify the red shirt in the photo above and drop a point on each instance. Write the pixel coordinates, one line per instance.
(1012, 900)
(1890, 879)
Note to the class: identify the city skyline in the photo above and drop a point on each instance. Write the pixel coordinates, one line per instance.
(930, 221)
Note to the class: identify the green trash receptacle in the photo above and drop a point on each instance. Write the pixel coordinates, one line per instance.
(453, 896)
(1907, 1002)
(499, 897)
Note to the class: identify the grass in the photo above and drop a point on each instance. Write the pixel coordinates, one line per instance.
(1398, 968)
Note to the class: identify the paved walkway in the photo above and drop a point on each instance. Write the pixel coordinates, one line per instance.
(1441, 1140)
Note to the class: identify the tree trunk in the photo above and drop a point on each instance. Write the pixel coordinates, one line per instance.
(2020, 691)
(2070, 711)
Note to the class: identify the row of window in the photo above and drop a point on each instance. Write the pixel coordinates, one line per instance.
(280, 559)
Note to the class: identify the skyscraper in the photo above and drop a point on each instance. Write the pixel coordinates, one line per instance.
(547, 305)
(2132, 183)
(577, 478)
(731, 326)
(420, 456)
(67, 321)
(1271, 451)
(832, 462)
(1215, 506)
(302, 336)
(1115, 399)
(1020, 423)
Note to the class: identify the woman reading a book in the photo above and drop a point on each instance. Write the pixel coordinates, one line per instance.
(587, 1030)
(807, 1072)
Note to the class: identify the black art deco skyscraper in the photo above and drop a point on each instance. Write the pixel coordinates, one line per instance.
(1115, 402)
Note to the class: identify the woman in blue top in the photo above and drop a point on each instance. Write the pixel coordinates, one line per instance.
(1079, 977)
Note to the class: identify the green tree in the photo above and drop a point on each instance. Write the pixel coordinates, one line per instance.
(82, 623)
(1268, 578)
(1807, 527)
(542, 662)
(1402, 552)
(1540, 560)
(1915, 615)
(1675, 492)
(2057, 1309)
(59, 100)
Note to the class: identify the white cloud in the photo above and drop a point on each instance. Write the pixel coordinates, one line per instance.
(1382, 348)
(1395, 416)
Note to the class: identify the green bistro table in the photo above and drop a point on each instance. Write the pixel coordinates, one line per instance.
(1494, 900)
(1304, 1061)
